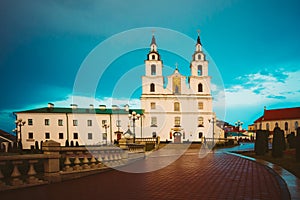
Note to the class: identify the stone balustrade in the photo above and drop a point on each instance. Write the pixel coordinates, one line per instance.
(136, 147)
(58, 163)
(150, 143)
(21, 170)
(86, 158)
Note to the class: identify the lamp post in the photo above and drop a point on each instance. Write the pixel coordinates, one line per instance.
(238, 124)
(133, 116)
(19, 123)
(105, 126)
(118, 121)
(213, 129)
(15, 130)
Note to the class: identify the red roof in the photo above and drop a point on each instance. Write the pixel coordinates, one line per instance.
(280, 114)
(259, 119)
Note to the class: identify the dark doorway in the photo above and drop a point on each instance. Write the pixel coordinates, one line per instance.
(177, 137)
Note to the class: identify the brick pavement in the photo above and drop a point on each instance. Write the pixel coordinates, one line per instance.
(216, 176)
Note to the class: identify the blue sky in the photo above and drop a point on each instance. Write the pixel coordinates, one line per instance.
(254, 44)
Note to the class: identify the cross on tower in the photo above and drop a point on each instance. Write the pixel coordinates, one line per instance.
(198, 31)
(176, 65)
(153, 31)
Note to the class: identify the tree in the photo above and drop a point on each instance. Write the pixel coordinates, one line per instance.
(278, 144)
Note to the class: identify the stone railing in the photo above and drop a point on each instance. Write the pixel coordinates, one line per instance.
(62, 163)
(149, 142)
(138, 148)
(83, 158)
(27, 170)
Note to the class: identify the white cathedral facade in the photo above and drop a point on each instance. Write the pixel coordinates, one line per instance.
(178, 111)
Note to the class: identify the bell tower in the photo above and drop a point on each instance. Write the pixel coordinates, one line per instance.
(153, 62)
(199, 79)
(153, 79)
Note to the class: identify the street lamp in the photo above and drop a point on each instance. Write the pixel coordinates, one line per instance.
(134, 117)
(238, 124)
(213, 129)
(118, 121)
(106, 126)
(19, 123)
(15, 130)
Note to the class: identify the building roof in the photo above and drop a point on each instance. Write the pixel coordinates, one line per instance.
(82, 110)
(280, 114)
(198, 40)
(7, 136)
(259, 119)
(153, 41)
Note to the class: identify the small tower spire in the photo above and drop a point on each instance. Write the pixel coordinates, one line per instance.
(198, 39)
(153, 53)
(198, 44)
(153, 42)
(153, 38)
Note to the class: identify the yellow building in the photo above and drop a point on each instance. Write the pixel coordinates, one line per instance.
(285, 118)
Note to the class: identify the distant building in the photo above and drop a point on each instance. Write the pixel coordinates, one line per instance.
(287, 119)
(251, 127)
(6, 140)
(87, 126)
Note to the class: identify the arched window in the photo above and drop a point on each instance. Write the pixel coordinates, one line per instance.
(200, 87)
(176, 106)
(153, 57)
(152, 87)
(154, 134)
(153, 69)
(153, 122)
(200, 105)
(260, 126)
(200, 134)
(199, 57)
(286, 126)
(200, 122)
(177, 122)
(268, 126)
(296, 125)
(199, 72)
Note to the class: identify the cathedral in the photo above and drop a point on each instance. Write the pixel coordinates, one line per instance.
(180, 111)
(176, 108)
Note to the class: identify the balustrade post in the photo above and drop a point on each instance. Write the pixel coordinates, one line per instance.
(93, 162)
(111, 155)
(31, 172)
(100, 160)
(86, 161)
(51, 164)
(77, 162)
(2, 183)
(106, 156)
(16, 181)
(67, 163)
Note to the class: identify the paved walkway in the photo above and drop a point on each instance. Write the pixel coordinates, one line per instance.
(191, 176)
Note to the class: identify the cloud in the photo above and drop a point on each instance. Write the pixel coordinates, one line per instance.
(276, 97)
(264, 88)
(84, 102)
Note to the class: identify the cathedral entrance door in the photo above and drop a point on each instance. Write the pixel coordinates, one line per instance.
(177, 137)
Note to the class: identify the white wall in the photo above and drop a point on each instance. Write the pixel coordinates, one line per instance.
(39, 128)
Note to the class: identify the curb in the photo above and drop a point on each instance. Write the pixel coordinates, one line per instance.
(289, 183)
